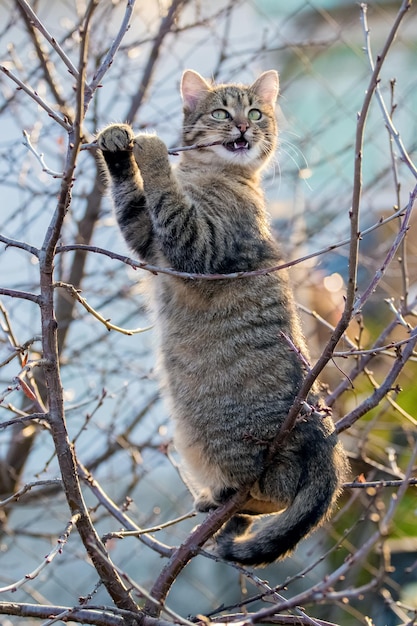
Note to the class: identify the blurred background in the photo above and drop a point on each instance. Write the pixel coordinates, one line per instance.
(114, 414)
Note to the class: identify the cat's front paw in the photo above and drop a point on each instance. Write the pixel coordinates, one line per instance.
(151, 154)
(116, 138)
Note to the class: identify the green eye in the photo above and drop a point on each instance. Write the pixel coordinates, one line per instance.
(220, 114)
(254, 115)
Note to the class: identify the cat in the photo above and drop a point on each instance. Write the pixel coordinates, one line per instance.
(228, 366)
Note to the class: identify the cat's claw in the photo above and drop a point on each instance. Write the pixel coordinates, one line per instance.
(115, 138)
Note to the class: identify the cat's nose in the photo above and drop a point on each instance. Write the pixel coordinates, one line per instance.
(243, 127)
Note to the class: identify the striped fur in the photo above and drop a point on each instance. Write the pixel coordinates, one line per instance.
(227, 370)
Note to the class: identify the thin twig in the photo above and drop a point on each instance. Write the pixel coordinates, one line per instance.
(23, 295)
(355, 236)
(40, 157)
(155, 269)
(18, 494)
(48, 558)
(108, 59)
(164, 29)
(35, 97)
(171, 151)
(14, 243)
(24, 418)
(75, 294)
(379, 484)
(385, 350)
(96, 616)
(405, 6)
(34, 19)
(118, 514)
(369, 403)
(122, 534)
(390, 255)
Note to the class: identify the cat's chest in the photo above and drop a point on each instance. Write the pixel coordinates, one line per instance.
(204, 184)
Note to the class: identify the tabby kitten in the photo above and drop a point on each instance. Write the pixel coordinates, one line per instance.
(227, 369)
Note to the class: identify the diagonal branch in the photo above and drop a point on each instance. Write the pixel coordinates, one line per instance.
(394, 247)
(108, 60)
(62, 540)
(76, 295)
(379, 393)
(355, 235)
(44, 60)
(164, 30)
(406, 5)
(35, 97)
(34, 19)
(185, 552)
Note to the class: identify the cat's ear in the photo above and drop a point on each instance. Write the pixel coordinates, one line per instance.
(193, 88)
(267, 87)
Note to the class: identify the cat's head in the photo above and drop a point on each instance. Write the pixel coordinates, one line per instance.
(239, 118)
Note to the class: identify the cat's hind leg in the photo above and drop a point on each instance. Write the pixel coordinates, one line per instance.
(209, 499)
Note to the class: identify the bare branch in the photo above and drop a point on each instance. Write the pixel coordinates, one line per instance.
(39, 483)
(101, 616)
(36, 98)
(108, 60)
(19, 244)
(393, 249)
(75, 294)
(48, 559)
(374, 399)
(164, 30)
(405, 7)
(154, 269)
(34, 19)
(23, 419)
(379, 484)
(23, 295)
(353, 248)
(40, 157)
(182, 555)
(118, 514)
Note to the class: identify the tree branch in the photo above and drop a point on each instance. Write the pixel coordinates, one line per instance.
(30, 92)
(108, 60)
(183, 554)
(372, 401)
(34, 19)
(405, 7)
(355, 235)
(164, 30)
(75, 294)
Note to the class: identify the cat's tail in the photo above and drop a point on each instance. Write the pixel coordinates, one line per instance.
(262, 539)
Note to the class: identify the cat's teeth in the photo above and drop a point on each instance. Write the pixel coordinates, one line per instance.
(240, 146)
(237, 146)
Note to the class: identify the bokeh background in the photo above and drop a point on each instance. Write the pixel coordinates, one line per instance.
(114, 414)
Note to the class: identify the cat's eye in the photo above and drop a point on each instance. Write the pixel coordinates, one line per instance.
(254, 115)
(220, 114)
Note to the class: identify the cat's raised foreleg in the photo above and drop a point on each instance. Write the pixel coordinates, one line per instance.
(183, 233)
(116, 145)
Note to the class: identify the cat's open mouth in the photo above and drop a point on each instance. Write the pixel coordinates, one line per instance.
(237, 146)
